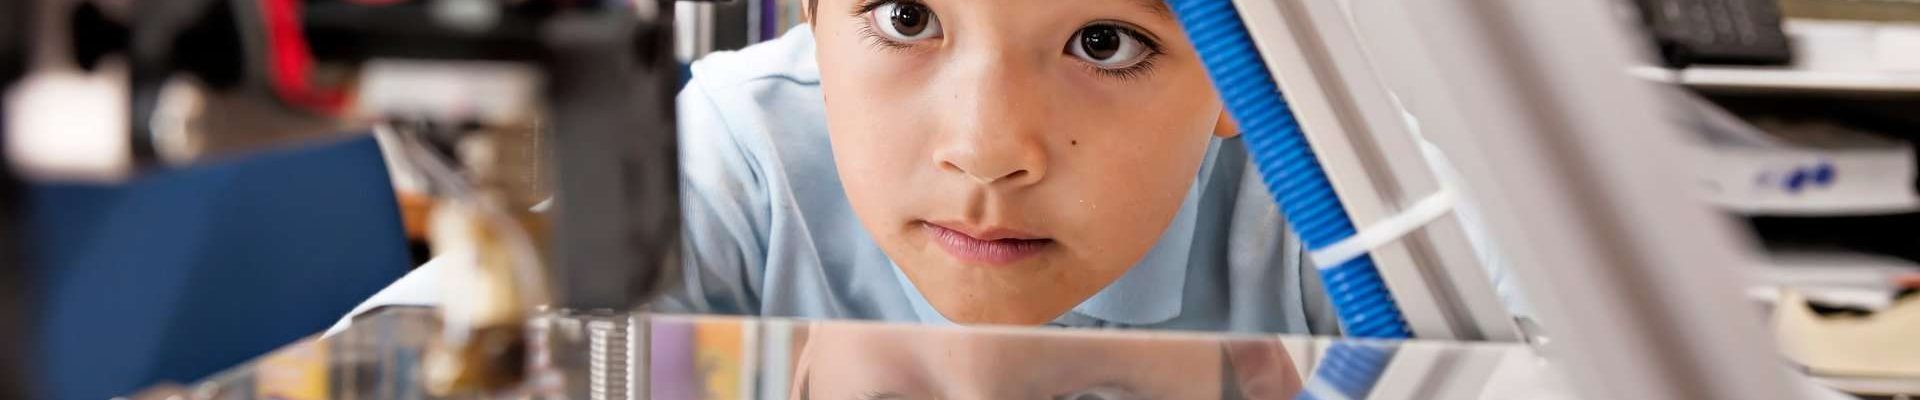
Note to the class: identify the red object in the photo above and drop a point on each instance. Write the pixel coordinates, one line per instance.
(291, 61)
(1911, 281)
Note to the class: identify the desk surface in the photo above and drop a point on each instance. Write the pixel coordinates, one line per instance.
(733, 358)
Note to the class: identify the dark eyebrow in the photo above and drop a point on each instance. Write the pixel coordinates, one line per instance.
(1158, 7)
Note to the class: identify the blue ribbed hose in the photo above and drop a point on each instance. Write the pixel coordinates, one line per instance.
(1348, 371)
(1287, 164)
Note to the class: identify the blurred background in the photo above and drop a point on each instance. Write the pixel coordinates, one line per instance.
(228, 224)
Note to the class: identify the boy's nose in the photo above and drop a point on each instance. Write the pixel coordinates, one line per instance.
(996, 132)
(994, 150)
(992, 168)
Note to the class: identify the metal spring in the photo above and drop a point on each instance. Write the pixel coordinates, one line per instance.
(608, 365)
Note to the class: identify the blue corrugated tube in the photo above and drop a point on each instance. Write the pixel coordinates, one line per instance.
(1348, 371)
(1287, 164)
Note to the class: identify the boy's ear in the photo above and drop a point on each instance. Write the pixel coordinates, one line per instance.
(1226, 128)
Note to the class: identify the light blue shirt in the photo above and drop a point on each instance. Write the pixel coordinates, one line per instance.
(769, 230)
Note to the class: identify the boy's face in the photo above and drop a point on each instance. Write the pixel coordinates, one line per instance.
(1014, 157)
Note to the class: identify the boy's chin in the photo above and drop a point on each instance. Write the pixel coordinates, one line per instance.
(1029, 292)
(970, 295)
(985, 302)
(987, 313)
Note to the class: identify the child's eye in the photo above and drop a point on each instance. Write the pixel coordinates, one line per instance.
(1109, 47)
(905, 22)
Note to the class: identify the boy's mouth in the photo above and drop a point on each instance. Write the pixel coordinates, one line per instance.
(985, 245)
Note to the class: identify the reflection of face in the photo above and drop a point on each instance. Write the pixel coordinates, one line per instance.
(1013, 156)
(881, 362)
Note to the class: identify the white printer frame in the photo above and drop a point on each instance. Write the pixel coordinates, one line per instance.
(1363, 141)
(1579, 170)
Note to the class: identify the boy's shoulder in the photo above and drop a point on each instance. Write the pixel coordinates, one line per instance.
(763, 100)
(790, 58)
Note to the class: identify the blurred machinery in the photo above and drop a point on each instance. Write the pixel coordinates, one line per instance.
(475, 90)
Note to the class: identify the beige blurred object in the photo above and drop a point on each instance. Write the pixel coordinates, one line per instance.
(468, 158)
(70, 126)
(484, 345)
(1883, 344)
(485, 222)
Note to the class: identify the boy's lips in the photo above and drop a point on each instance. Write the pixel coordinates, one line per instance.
(986, 245)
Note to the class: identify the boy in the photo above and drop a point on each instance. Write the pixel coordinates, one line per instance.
(980, 161)
(1061, 162)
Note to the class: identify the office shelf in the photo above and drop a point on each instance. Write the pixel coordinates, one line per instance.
(1786, 79)
(1830, 56)
(1811, 182)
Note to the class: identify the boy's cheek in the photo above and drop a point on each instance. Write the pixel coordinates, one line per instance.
(1152, 155)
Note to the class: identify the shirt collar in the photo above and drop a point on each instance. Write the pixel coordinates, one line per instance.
(1149, 293)
(807, 64)
(921, 308)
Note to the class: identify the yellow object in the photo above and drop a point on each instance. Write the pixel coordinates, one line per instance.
(1885, 344)
(719, 349)
(297, 372)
